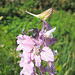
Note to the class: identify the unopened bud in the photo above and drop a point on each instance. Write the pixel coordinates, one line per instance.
(44, 15)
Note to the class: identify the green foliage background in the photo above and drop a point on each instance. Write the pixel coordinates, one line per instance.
(15, 19)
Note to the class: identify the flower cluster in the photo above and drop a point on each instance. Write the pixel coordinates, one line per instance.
(36, 49)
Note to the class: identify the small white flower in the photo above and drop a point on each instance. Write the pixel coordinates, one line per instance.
(49, 34)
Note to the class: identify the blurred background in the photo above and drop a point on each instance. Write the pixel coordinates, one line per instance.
(15, 19)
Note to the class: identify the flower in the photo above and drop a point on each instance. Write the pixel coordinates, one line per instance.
(25, 43)
(27, 69)
(44, 15)
(36, 49)
(48, 34)
(47, 54)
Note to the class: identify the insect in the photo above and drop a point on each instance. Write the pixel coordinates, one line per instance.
(35, 33)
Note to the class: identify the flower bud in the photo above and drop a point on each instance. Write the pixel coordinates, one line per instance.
(44, 15)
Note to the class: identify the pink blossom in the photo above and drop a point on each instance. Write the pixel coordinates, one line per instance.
(25, 43)
(36, 49)
(27, 69)
(47, 54)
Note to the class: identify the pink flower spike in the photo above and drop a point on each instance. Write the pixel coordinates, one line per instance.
(35, 48)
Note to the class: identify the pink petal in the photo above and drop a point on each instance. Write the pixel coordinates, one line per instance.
(42, 69)
(37, 61)
(52, 68)
(26, 56)
(19, 48)
(27, 48)
(21, 63)
(27, 69)
(47, 54)
(25, 42)
(38, 42)
(32, 56)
